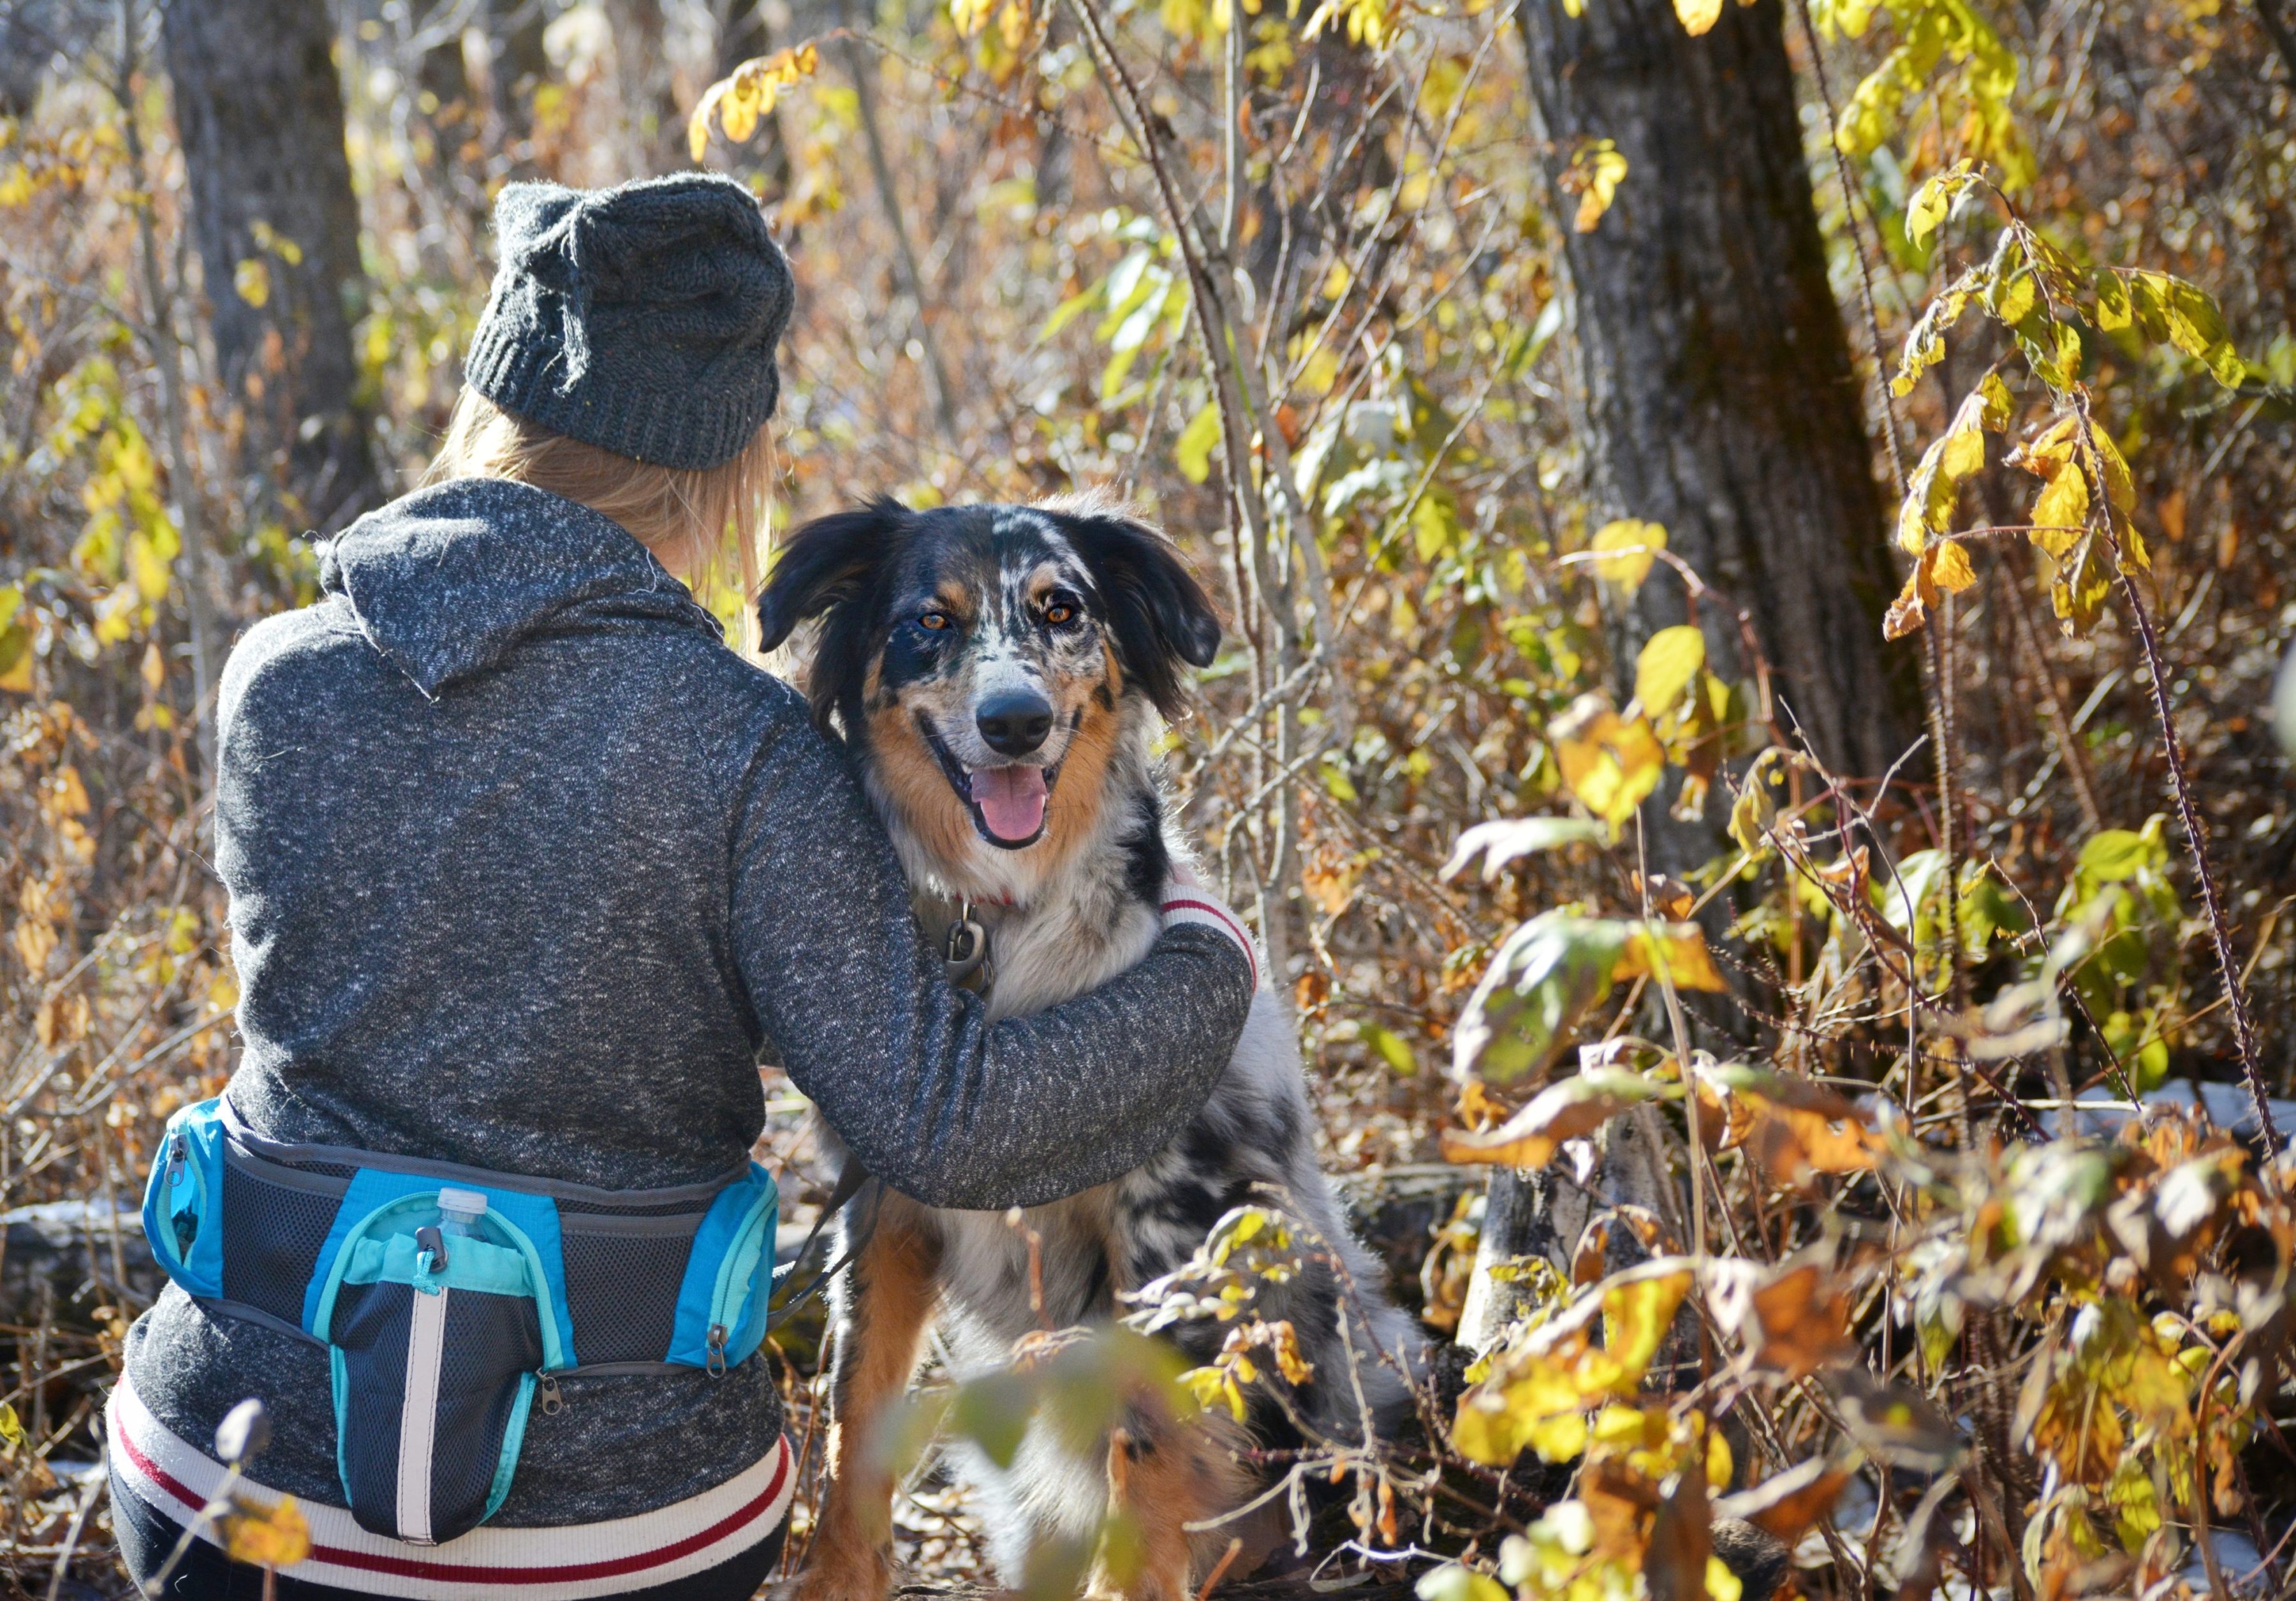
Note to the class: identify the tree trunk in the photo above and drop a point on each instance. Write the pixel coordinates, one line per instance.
(260, 113)
(1714, 387)
(1714, 381)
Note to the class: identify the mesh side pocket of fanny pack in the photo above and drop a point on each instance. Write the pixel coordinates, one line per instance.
(434, 1369)
(273, 1235)
(638, 1275)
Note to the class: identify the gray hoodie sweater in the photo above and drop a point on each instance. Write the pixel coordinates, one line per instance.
(527, 869)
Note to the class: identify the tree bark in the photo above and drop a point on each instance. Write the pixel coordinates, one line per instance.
(1714, 388)
(1714, 381)
(260, 113)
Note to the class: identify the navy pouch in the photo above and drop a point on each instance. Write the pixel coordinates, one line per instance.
(435, 1344)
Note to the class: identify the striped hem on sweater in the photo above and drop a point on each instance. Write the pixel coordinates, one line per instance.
(574, 1563)
(1186, 904)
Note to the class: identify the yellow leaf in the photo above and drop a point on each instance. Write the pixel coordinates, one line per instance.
(1998, 405)
(279, 1537)
(1667, 665)
(1680, 947)
(1594, 175)
(739, 111)
(2015, 300)
(1641, 541)
(16, 676)
(1965, 453)
(1609, 763)
(1949, 567)
(2050, 450)
(2118, 487)
(148, 566)
(2062, 512)
(12, 1427)
(697, 126)
(1537, 1389)
(1697, 15)
(1930, 204)
(69, 796)
(251, 278)
(154, 668)
(1636, 1316)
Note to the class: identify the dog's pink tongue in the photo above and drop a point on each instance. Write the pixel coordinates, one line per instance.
(1011, 800)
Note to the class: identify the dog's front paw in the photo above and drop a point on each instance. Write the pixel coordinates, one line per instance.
(842, 1575)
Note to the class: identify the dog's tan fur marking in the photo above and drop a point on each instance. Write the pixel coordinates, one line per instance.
(870, 1369)
(1162, 1476)
(913, 782)
(1077, 800)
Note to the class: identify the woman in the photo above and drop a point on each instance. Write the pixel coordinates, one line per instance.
(527, 870)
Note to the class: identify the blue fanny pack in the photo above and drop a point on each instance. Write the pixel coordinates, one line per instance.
(446, 1324)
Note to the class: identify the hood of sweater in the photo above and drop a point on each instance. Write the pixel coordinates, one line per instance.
(447, 581)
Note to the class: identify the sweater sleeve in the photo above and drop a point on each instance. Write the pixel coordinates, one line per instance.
(933, 1099)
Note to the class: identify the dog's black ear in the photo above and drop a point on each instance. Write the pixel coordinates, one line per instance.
(824, 563)
(1158, 612)
(830, 566)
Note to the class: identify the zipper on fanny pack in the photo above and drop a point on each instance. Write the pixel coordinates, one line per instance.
(179, 1159)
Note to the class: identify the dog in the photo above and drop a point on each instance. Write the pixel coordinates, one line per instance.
(1000, 674)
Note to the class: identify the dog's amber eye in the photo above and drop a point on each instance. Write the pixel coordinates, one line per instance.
(1059, 614)
(933, 619)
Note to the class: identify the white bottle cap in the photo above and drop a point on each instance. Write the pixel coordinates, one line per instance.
(467, 1203)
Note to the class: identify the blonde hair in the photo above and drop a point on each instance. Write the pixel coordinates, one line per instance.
(712, 524)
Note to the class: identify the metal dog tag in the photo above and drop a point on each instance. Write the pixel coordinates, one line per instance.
(964, 949)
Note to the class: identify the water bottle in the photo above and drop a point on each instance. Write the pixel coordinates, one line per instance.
(460, 1212)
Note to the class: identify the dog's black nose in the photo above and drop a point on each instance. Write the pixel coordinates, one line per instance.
(1014, 724)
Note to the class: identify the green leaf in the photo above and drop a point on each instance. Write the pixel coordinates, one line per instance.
(1541, 983)
(993, 1412)
(1390, 1047)
(2115, 855)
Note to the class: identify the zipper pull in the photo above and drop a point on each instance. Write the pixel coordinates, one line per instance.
(716, 1362)
(184, 1214)
(546, 1391)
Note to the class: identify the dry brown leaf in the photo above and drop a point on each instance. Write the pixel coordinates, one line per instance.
(1787, 1504)
(1803, 1316)
(1564, 1110)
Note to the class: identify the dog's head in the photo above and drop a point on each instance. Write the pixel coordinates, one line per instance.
(984, 661)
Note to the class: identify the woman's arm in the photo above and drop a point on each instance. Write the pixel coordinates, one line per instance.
(931, 1098)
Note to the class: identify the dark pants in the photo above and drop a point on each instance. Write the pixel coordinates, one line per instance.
(207, 1574)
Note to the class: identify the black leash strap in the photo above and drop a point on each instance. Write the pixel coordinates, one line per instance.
(850, 1184)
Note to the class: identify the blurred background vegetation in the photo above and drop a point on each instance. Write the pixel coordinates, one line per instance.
(1520, 377)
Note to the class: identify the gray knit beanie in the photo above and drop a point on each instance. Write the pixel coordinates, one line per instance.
(640, 319)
